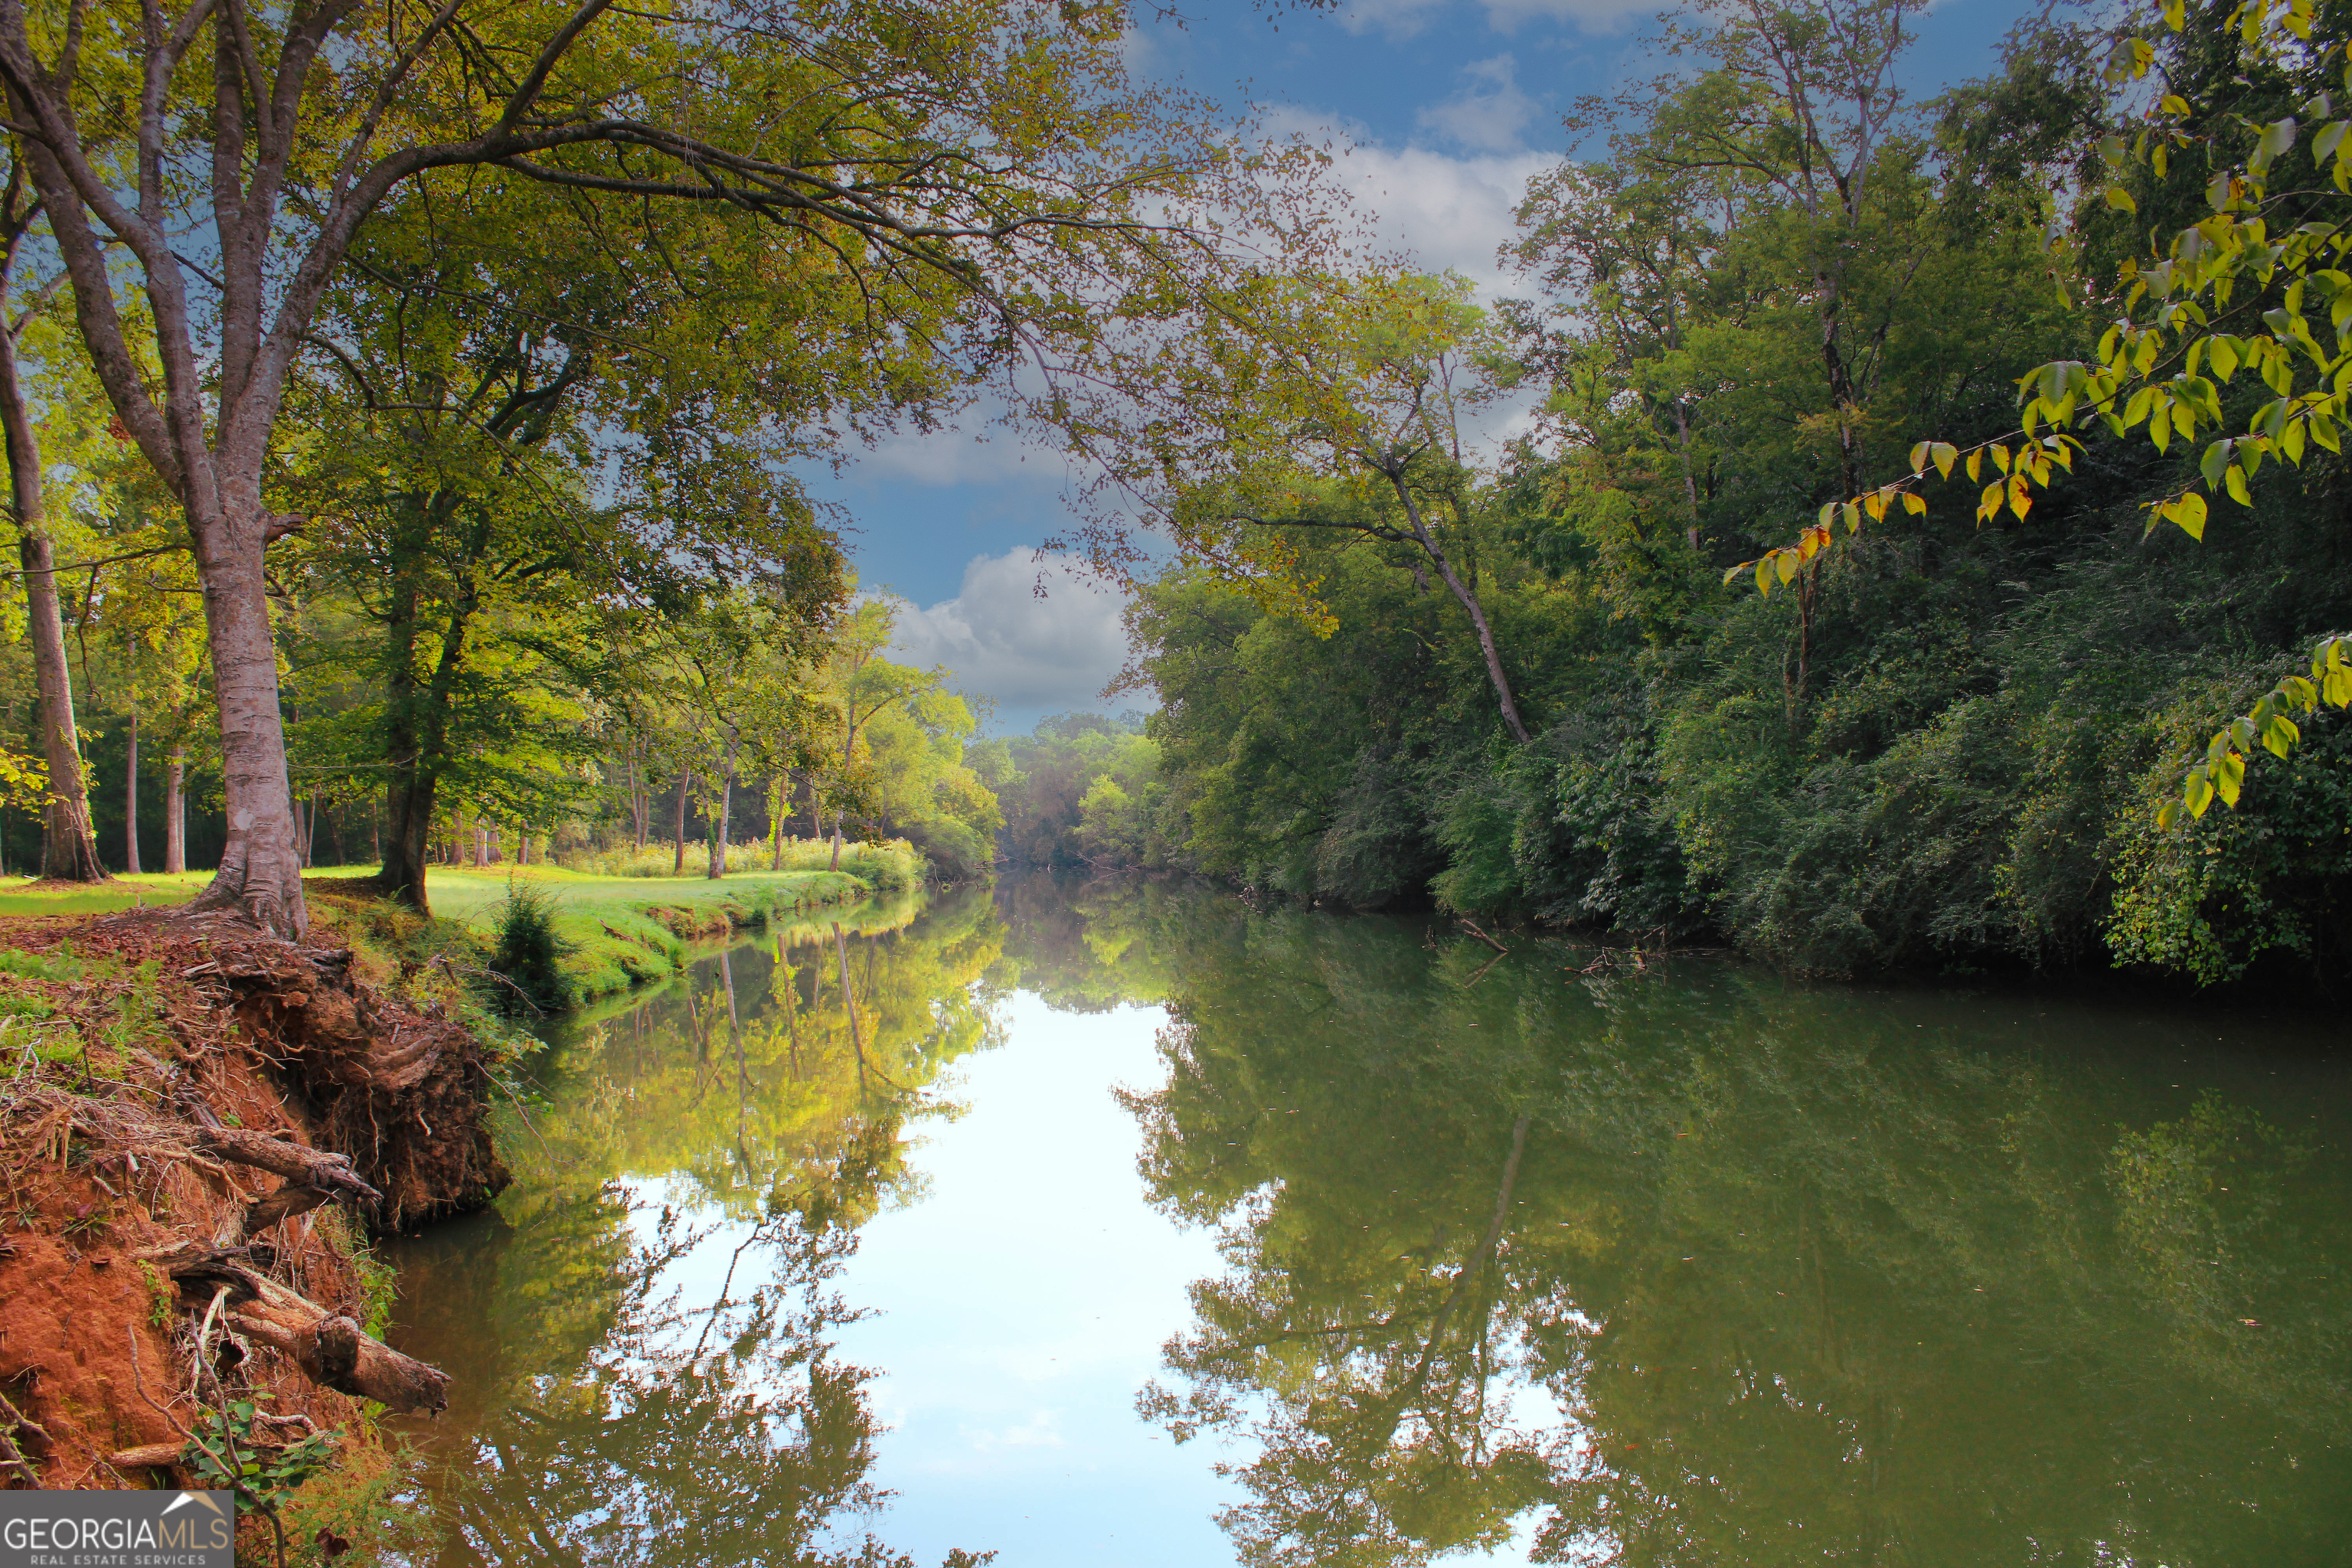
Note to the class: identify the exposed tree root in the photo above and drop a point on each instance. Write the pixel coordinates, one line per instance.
(192, 1134)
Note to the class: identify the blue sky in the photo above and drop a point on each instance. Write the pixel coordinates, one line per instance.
(1445, 107)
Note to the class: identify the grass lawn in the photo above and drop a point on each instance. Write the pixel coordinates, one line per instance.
(622, 930)
(18, 895)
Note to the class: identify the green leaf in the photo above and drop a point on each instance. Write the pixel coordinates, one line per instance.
(2121, 200)
(2197, 792)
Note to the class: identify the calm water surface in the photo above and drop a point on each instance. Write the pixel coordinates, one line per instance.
(1119, 1224)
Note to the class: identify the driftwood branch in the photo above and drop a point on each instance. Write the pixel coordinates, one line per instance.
(329, 1347)
(1471, 927)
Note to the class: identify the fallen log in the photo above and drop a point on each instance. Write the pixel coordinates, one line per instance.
(331, 1350)
(310, 1167)
(153, 1455)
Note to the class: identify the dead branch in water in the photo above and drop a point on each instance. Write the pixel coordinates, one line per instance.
(1471, 927)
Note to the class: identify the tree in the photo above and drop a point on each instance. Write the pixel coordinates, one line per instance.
(1293, 389)
(70, 844)
(482, 348)
(903, 140)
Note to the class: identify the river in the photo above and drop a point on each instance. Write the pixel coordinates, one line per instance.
(1120, 1223)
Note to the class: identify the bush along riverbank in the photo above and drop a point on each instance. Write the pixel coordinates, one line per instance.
(200, 1127)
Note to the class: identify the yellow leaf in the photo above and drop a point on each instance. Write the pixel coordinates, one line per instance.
(1976, 464)
(2228, 777)
(2189, 511)
(1915, 505)
(1945, 455)
(1919, 458)
(2021, 496)
(1786, 562)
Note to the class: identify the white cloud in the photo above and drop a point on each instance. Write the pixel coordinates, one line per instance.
(1490, 114)
(964, 452)
(1403, 19)
(1034, 655)
(1452, 211)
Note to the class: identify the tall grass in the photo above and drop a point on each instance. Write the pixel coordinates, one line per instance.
(891, 867)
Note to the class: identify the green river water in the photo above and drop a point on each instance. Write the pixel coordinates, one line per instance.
(1120, 1223)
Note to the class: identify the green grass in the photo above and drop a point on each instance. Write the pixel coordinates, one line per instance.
(622, 930)
(628, 930)
(122, 893)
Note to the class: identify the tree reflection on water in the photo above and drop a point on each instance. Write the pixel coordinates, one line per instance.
(641, 1334)
(1689, 1267)
(1702, 1268)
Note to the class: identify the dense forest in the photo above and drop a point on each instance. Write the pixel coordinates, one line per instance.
(1944, 743)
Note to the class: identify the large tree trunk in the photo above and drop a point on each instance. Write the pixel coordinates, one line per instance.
(175, 830)
(70, 848)
(416, 735)
(260, 873)
(130, 798)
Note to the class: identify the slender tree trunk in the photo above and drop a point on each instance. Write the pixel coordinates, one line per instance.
(1690, 480)
(678, 865)
(780, 798)
(717, 867)
(130, 797)
(836, 841)
(69, 845)
(176, 827)
(1469, 602)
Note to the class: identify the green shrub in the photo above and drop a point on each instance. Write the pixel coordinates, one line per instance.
(529, 955)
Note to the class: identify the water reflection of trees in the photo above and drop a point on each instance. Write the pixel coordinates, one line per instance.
(1701, 1268)
(644, 1371)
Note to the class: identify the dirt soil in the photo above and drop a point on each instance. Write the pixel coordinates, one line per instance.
(133, 1048)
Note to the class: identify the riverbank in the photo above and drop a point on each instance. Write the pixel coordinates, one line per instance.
(619, 931)
(199, 1128)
